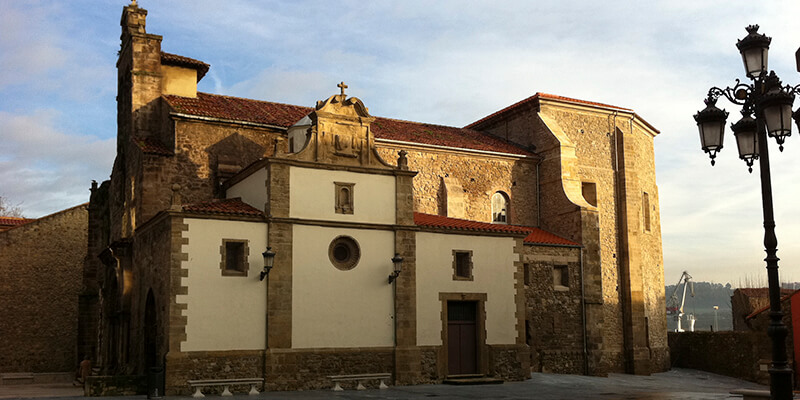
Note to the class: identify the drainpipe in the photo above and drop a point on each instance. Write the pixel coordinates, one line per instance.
(583, 319)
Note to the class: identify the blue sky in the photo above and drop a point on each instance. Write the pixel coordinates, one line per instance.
(445, 62)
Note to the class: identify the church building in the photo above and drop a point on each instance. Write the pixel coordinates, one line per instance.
(241, 238)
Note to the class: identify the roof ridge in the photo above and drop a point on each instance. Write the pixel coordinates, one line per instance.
(572, 99)
(19, 218)
(247, 98)
(539, 95)
(428, 123)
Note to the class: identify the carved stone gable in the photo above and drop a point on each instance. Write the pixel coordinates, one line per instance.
(340, 133)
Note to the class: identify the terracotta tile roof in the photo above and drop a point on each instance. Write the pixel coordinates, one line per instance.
(181, 61)
(234, 206)
(785, 297)
(286, 115)
(14, 221)
(406, 131)
(533, 99)
(238, 109)
(533, 235)
(540, 236)
(152, 146)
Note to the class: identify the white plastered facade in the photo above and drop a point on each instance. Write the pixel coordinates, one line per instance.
(252, 189)
(492, 273)
(333, 308)
(313, 194)
(223, 312)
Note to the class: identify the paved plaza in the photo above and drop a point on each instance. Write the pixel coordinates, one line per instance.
(674, 384)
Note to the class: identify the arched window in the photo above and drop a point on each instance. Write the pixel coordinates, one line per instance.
(500, 208)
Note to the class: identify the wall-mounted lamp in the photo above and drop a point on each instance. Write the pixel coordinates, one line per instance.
(398, 265)
(269, 259)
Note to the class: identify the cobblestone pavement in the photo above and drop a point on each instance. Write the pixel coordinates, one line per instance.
(675, 384)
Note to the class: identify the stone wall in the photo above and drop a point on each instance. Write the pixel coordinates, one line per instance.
(612, 150)
(554, 329)
(156, 250)
(41, 266)
(200, 146)
(479, 176)
(510, 362)
(182, 367)
(304, 369)
(736, 354)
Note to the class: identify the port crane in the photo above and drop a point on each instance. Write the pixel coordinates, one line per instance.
(675, 308)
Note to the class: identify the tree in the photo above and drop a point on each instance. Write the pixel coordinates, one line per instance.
(9, 210)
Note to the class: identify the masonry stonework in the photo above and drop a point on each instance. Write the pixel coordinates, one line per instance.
(480, 176)
(40, 280)
(613, 150)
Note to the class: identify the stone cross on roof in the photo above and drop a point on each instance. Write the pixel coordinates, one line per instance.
(342, 86)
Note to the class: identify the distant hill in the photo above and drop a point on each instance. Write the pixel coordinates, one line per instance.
(706, 296)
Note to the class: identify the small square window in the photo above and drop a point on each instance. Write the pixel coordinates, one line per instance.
(560, 277)
(462, 265)
(234, 257)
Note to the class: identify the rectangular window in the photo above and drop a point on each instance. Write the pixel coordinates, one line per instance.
(234, 257)
(560, 277)
(462, 265)
(526, 268)
(646, 211)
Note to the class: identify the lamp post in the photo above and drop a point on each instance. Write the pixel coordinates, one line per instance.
(766, 111)
(716, 322)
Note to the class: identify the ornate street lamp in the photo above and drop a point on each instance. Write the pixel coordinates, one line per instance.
(754, 48)
(269, 259)
(771, 104)
(746, 140)
(711, 122)
(397, 261)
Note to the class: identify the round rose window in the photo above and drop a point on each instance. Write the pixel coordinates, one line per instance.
(344, 253)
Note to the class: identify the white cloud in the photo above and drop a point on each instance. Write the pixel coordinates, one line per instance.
(45, 169)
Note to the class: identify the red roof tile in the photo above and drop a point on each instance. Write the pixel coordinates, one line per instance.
(152, 146)
(540, 236)
(234, 206)
(285, 115)
(765, 308)
(533, 235)
(393, 129)
(14, 221)
(535, 98)
(238, 109)
(181, 61)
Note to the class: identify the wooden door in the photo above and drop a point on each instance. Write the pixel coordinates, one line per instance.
(462, 338)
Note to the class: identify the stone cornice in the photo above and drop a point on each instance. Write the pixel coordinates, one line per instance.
(262, 163)
(447, 149)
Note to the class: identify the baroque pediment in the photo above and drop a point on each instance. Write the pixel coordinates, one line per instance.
(340, 133)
